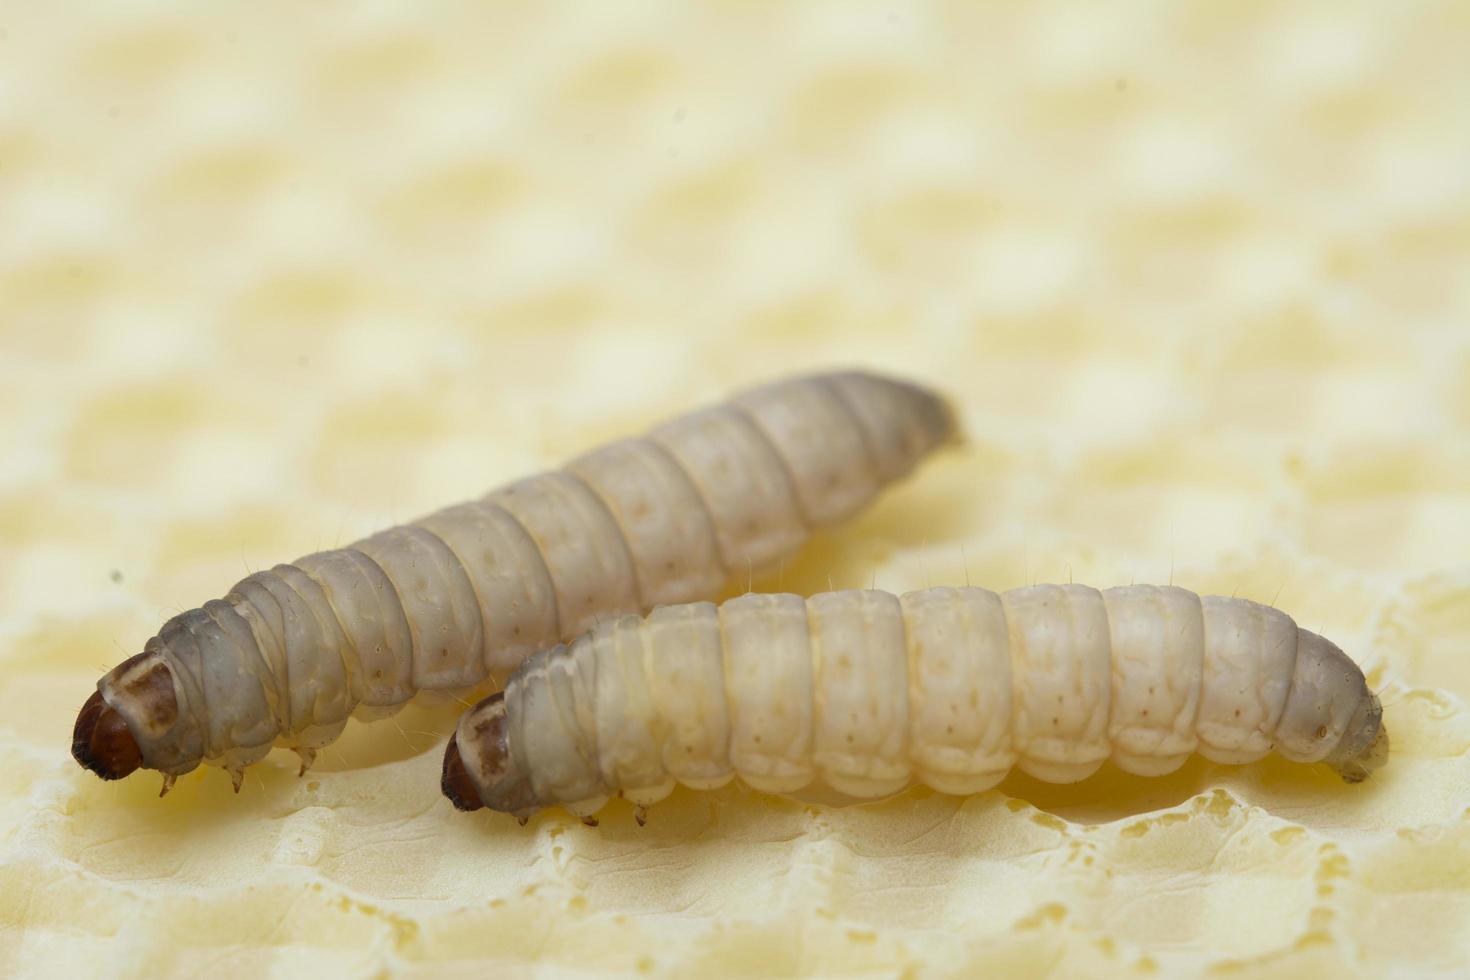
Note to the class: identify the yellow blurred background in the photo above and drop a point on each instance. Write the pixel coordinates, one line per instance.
(273, 276)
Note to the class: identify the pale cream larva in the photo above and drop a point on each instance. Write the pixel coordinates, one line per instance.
(866, 692)
(466, 593)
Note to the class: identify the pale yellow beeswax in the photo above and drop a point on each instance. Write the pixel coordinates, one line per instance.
(272, 278)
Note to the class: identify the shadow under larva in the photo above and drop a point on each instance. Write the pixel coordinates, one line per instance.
(865, 693)
(462, 596)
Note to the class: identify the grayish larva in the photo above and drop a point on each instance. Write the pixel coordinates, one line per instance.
(866, 692)
(468, 592)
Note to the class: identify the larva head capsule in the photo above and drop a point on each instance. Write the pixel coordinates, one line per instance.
(479, 769)
(455, 781)
(101, 742)
(133, 721)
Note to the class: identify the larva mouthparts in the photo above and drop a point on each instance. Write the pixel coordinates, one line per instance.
(866, 692)
(101, 741)
(466, 593)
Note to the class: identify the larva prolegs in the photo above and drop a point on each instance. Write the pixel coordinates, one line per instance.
(866, 692)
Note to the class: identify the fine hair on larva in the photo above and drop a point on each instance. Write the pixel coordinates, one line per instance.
(463, 595)
(866, 692)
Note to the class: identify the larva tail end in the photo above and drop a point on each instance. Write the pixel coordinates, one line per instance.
(949, 424)
(456, 782)
(1364, 747)
(937, 418)
(101, 741)
(1375, 757)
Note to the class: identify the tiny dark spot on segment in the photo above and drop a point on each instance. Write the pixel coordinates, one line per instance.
(757, 740)
(444, 652)
(1150, 689)
(949, 729)
(1056, 721)
(1237, 712)
(1145, 712)
(516, 631)
(849, 738)
(116, 575)
(377, 675)
(1322, 732)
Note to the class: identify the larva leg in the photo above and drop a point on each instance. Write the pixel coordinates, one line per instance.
(866, 691)
(236, 761)
(468, 592)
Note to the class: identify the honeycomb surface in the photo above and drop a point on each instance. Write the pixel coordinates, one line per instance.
(276, 276)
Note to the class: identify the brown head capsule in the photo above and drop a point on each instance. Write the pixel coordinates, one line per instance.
(479, 770)
(456, 782)
(101, 741)
(113, 733)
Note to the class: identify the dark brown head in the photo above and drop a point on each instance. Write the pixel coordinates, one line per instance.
(101, 742)
(456, 782)
(479, 769)
(134, 708)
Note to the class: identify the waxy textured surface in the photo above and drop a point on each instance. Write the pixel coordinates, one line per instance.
(1194, 272)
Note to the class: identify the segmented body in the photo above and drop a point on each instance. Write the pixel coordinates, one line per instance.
(866, 692)
(468, 592)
